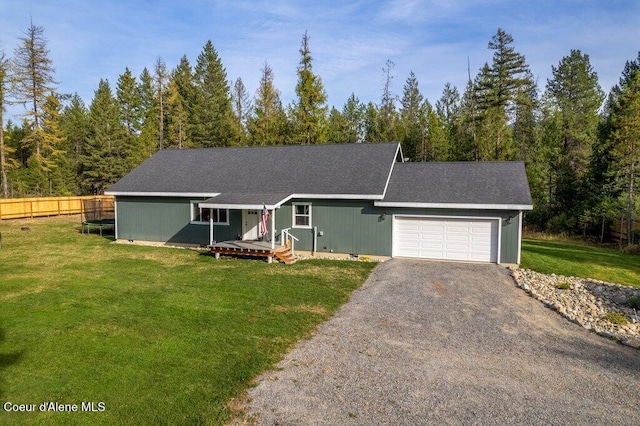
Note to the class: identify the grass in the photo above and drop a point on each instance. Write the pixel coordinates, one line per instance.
(159, 335)
(572, 258)
(616, 318)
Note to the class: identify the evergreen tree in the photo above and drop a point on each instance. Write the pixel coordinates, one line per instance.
(177, 118)
(160, 79)
(34, 81)
(626, 136)
(336, 127)
(74, 124)
(130, 109)
(575, 97)
(267, 123)
(148, 139)
(107, 157)
(412, 124)
(183, 78)
(434, 145)
(309, 112)
(212, 119)
(6, 161)
(371, 123)
(242, 107)
(56, 168)
(387, 117)
(353, 112)
(448, 111)
(498, 91)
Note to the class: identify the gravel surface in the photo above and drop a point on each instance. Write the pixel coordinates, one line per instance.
(449, 343)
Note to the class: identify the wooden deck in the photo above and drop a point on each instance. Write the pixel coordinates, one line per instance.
(253, 248)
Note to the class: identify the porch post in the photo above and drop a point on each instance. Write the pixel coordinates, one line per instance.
(211, 231)
(273, 228)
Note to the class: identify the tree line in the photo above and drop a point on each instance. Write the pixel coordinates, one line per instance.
(581, 148)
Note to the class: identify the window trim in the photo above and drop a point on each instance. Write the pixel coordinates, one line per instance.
(195, 209)
(294, 215)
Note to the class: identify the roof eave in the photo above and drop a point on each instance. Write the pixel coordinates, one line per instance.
(469, 206)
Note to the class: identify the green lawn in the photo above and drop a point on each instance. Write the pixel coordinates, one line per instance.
(571, 258)
(159, 335)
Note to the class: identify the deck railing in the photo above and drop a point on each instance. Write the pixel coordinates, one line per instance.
(287, 237)
(16, 208)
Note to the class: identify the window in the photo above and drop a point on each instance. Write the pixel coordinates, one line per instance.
(204, 215)
(302, 215)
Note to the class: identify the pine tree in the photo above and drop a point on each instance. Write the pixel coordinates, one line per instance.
(498, 92)
(412, 123)
(448, 111)
(626, 135)
(434, 144)
(353, 113)
(130, 108)
(242, 107)
(161, 80)
(371, 123)
(75, 128)
(177, 118)
(336, 127)
(575, 97)
(34, 81)
(55, 166)
(6, 161)
(107, 157)
(212, 118)
(183, 78)
(267, 123)
(387, 118)
(148, 139)
(309, 112)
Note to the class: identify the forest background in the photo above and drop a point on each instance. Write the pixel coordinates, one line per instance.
(581, 146)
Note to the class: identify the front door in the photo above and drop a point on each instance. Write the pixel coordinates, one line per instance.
(250, 222)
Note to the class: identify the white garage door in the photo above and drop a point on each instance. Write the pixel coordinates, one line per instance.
(446, 238)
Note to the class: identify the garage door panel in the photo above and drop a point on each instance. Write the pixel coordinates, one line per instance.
(446, 239)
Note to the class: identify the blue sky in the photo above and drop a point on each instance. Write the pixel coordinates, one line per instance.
(350, 40)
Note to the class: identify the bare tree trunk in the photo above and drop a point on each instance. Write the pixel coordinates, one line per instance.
(630, 207)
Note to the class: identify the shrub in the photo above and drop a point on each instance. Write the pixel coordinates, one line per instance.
(634, 302)
(616, 318)
(563, 285)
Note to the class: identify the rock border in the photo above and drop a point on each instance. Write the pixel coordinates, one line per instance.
(585, 302)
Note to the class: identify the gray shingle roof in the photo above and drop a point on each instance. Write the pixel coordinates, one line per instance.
(269, 175)
(347, 169)
(464, 183)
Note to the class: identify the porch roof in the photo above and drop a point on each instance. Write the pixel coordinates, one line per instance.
(235, 200)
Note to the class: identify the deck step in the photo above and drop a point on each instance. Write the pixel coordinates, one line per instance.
(286, 256)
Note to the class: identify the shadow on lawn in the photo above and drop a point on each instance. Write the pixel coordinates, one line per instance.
(7, 360)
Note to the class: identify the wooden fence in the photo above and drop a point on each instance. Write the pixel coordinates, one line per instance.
(15, 208)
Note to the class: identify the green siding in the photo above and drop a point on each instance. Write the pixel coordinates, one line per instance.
(167, 220)
(347, 226)
(356, 226)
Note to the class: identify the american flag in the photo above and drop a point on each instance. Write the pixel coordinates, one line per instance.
(264, 229)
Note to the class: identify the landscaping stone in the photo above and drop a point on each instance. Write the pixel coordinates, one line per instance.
(586, 302)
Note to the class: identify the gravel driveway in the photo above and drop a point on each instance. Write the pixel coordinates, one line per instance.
(449, 343)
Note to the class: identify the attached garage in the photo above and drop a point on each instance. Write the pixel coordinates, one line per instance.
(447, 238)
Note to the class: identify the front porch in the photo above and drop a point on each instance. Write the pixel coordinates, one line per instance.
(284, 253)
